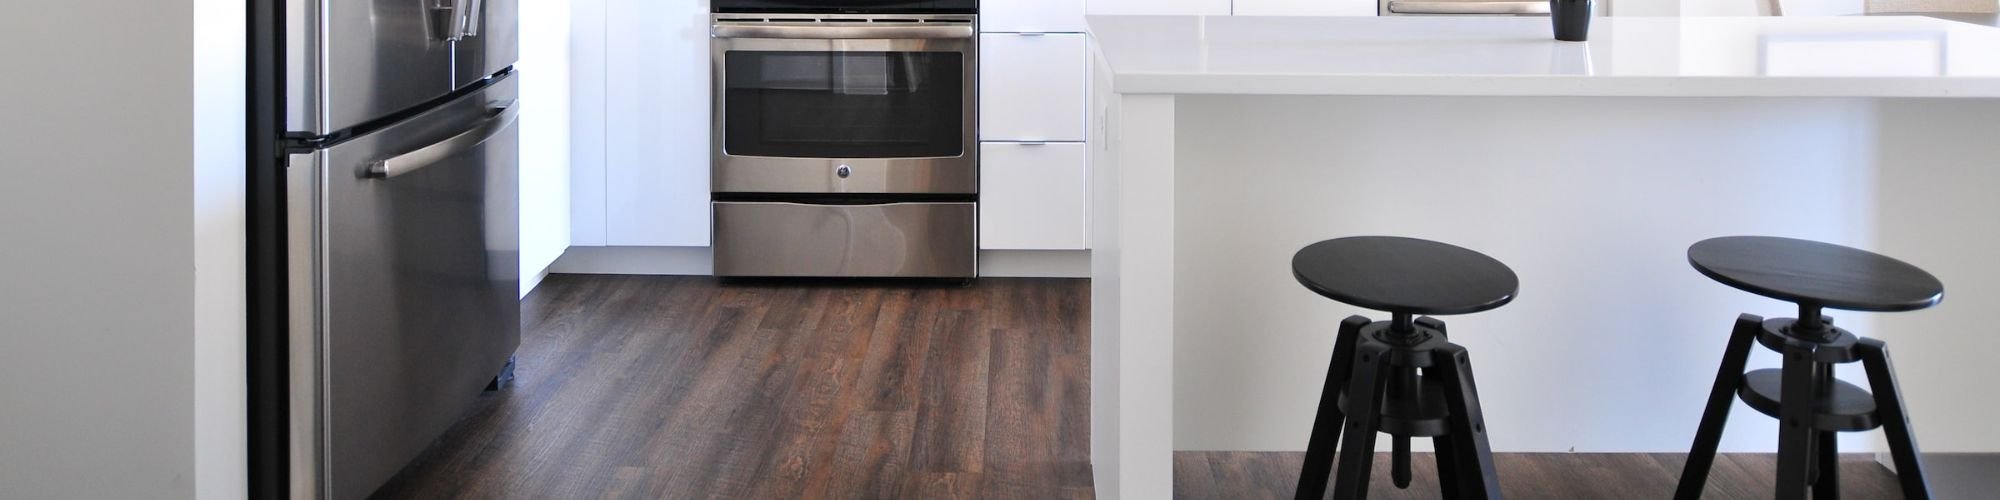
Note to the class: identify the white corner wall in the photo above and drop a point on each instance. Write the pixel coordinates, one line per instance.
(220, 407)
(545, 137)
(120, 277)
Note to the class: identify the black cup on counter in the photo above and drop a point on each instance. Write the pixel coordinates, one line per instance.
(1571, 19)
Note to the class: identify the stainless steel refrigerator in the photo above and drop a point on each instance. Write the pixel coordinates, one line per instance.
(400, 163)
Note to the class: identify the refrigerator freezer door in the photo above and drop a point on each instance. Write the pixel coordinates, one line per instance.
(417, 278)
(353, 61)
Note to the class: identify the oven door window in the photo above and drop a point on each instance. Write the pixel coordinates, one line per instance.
(844, 104)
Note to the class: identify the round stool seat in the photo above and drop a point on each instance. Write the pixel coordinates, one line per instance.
(1810, 272)
(1405, 275)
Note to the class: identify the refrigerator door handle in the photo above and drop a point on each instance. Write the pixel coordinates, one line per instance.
(504, 115)
(472, 15)
(453, 14)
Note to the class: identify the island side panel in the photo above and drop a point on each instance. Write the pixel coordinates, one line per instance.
(1593, 201)
(1132, 292)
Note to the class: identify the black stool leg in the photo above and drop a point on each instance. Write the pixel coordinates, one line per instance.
(1399, 461)
(1828, 485)
(1895, 421)
(1446, 464)
(1694, 476)
(1364, 395)
(1326, 424)
(1795, 419)
(1467, 425)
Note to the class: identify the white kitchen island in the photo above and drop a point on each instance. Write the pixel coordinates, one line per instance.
(1224, 144)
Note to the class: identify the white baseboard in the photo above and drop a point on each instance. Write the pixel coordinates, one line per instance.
(699, 261)
(674, 261)
(1034, 263)
(528, 283)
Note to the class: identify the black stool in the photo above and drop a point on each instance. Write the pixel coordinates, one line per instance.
(1375, 376)
(1809, 402)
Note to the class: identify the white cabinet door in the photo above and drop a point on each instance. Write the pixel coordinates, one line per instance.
(1031, 87)
(1305, 7)
(1031, 16)
(1031, 196)
(586, 153)
(1158, 7)
(656, 123)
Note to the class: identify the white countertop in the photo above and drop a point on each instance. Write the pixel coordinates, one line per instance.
(1506, 56)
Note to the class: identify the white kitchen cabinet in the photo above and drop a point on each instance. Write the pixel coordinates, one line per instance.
(1032, 196)
(1305, 7)
(1031, 16)
(656, 123)
(1031, 87)
(1158, 7)
(586, 100)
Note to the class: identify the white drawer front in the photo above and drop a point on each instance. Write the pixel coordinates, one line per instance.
(1158, 7)
(1031, 87)
(1031, 16)
(1032, 196)
(1305, 7)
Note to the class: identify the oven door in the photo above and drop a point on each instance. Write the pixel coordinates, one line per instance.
(845, 104)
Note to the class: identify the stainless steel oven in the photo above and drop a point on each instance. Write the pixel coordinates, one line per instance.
(861, 126)
(845, 103)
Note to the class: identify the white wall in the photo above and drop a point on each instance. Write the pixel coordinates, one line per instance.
(102, 318)
(221, 464)
(545, 136)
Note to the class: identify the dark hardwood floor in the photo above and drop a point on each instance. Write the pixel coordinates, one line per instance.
(1246, 475)
(678, 387)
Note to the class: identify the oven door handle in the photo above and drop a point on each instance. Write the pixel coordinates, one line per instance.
(840, 32)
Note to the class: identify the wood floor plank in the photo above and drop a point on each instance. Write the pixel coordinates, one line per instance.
(951, 418)
(874, 455)
(681, 387)
(896, 349)
(1193, 479)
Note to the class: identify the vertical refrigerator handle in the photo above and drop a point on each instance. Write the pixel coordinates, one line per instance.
(456, 16)
(471, 15)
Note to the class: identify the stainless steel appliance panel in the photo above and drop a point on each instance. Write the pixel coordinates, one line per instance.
(850, 6)
(846, 175)
(413, 306)
(305, 274)
(912, 240)
(848, 165)
(491, 42)
(365, 59)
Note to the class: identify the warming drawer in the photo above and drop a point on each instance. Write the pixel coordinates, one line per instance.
(902, 240)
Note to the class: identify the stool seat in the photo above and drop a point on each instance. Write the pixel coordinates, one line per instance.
(1815, 273)
(1405, 275)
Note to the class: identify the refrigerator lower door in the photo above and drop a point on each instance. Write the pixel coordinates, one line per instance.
(900, 240)
(412, 308)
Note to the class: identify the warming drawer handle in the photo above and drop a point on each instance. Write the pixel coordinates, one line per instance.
(840, 32)
(503, 116)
